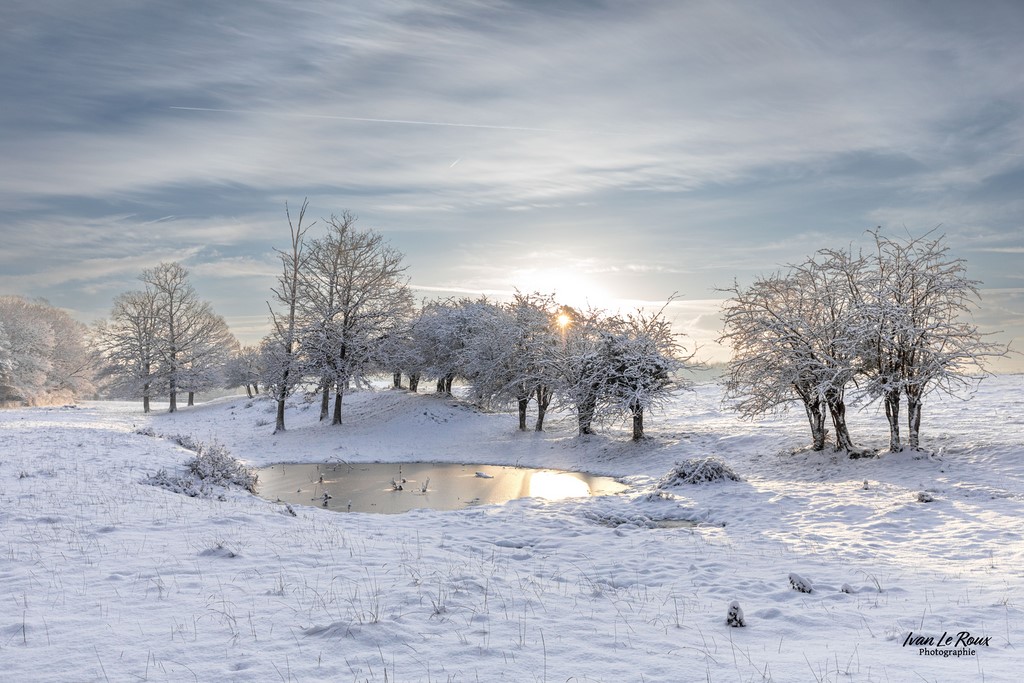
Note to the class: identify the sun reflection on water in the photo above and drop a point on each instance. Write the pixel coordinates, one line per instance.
(557, 485)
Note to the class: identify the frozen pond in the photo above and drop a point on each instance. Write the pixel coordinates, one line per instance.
(394, 487)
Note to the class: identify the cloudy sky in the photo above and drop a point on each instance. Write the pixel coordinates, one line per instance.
(614, 152)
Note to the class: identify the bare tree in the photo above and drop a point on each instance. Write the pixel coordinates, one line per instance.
(187, 328)
(127, 345)
(281, 362)
(206, 361)
(354, 294)
(319, 285)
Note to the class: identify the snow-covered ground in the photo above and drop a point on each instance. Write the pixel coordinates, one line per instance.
(106, 578)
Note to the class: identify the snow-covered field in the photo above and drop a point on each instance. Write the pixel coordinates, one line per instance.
(106, 578)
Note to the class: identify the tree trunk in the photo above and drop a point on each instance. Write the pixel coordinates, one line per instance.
(191, 398)
(440, 385)
(396, 380)
(289, 295)
(248, 390)
(892, 414)
(145, 398)
(914, 420)
(414, 382)
(837, 407)
(256, 388)
(448, 383)
(523, 402)
(638, 422)
(279, 425)
(585, 414)
(173, 375)
(282, 394)
(336, 420)
(543, 401)
(325, 399)
(816, 417)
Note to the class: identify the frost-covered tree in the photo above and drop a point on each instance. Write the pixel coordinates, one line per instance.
(279, 350)
(394, 353)
(401, 352)
(531, 349)
(895, 322)
(243, 370)
(489, 356)
(794, 337)
(73, 368)
(535, 345)
(611, 366)
(353, 295)
(917, 335)
(439, 337)
(6, 355)
(581, 372)
(31, 342)
(273, 362)
(642, 358)
(43, 358)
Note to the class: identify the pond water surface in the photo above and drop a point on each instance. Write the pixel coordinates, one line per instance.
(395, 488)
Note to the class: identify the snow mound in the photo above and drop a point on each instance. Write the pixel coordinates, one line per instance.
(615, 520)
(697, 471)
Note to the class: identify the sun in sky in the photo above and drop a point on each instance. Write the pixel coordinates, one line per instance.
(570, 287)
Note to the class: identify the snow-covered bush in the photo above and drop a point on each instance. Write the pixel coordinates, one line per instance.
(925, 497)
(734, 617)
(213, 466)
(180, 483)
(187, 442)
(799, 583)
(697, 471)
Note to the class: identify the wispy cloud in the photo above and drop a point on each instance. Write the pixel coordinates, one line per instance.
(652, 148)
(362, 119)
